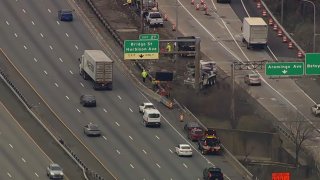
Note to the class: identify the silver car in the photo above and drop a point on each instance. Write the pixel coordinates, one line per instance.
(54, 171)
(252, 79)
(92, 129)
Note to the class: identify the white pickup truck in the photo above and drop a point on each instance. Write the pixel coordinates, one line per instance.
(145, 105)
(315, 109)
(154, 19)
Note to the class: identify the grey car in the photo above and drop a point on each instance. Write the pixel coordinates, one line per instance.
(252, 79)
(92, 129)
(54, 171)
(88, 100)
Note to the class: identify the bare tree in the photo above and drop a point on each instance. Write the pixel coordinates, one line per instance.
(301, 131)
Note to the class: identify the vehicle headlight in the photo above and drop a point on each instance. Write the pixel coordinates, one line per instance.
(61, 173)
(51, 173)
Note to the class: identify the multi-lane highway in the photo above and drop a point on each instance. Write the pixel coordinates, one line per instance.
(46, 52)
(21, 158)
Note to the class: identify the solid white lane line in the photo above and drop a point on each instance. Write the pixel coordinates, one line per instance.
(7, 23)
(145, 152)
(36, 174)
(56, 84)
(35, 59)
(49, 10)
(60, 59)
(81, 84)
(67, 34)
(118, 151)
(25, 47)
(41, 35)
(78, 110)
(70, 72)
(32, 23)
(184, 165)
(45, 72)
(15, 34)
(131, 166)
(117, 123)
(104, 137)
(119, 97)
(67, 97)
(11, 146)
(158, 165)
(105, 110)
(131, 138)
(157, 137)
(23, 160)
(130, 109)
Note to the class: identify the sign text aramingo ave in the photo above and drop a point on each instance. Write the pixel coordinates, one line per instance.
(284, 69)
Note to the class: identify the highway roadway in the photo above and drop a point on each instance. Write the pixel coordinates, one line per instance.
(46, 52)
(21, 158)
(289, 100)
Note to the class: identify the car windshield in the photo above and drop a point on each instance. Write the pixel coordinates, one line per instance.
(254, 76)
(94, 128)
(212, 141)
(155, 15)
(56, 168)
(149, 106)
(198, 131)
(154, 115)
(214, 170)
(185, 147)
(89, 97)
(193, 125)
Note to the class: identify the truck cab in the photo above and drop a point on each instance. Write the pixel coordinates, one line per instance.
(151, 117)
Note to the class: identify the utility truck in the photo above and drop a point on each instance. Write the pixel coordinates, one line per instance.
(97, 66)
(255, 32)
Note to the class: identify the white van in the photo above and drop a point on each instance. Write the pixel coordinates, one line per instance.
(151, 117)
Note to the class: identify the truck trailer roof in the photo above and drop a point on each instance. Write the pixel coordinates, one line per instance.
(98, 55)
(255, 21)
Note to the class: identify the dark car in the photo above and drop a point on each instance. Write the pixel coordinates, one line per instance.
(65, 15)
(212, 173)
(91, 129)
(88, 100)
(209, 144)
(223, 1)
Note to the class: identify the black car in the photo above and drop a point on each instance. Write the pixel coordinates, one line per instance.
(88, 100)
(65, 15)
(212, 173)
(223, 1)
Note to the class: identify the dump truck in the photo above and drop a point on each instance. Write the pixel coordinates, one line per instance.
(97, 66)
(255, 32)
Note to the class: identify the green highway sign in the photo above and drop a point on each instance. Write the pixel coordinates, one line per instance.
(141, 49)
(284, 69)
(149, 36)
(312, 62)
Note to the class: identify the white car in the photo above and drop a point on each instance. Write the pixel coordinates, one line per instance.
(145, 105)
(183, 150)
(316, 109)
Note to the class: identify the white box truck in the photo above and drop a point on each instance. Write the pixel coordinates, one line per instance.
(97, 66)
(255, 32)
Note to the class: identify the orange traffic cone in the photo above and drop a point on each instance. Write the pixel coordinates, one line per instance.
(270, 22)
(165, 17)
(284, 39)
(279, 32)
(264, 12)
(300, 54)
(197, 6)
(290, 45)
(173, 27)
(192, 2)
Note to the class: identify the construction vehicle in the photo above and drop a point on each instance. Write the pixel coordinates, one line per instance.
(97, 66)
(255, 32)
(208, 74)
